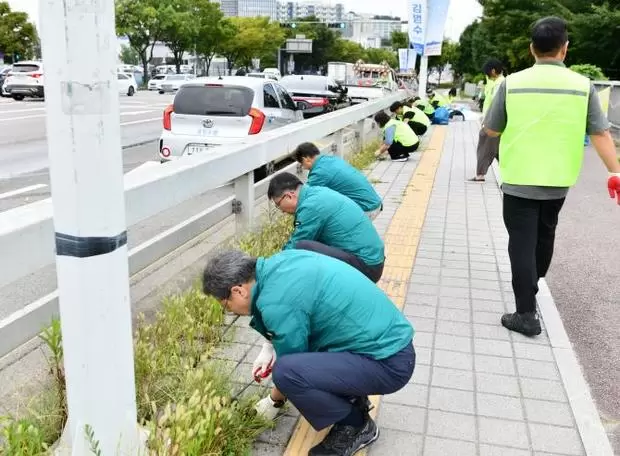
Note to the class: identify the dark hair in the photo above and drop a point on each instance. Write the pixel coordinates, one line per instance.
(410, 102)
(282, 183)
(226, 270)
(306, 150)
(382, 118)
(492, 64)
(549, 34)
(416, 99)
(452, 92)
(396, 106)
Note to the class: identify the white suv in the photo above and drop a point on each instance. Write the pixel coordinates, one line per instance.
(209, 112)
(25, 80)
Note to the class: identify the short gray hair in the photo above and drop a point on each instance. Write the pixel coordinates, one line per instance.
(226, 270)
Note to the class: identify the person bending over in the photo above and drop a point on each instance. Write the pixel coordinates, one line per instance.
(337, 174)
(333, 338)
(398, 139)
(414, 117)
(329, 223)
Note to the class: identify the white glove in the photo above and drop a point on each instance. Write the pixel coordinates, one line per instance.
(264, 361)
(265, 408)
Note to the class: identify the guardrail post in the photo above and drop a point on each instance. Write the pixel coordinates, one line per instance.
(360, 133)
(339, 144)
(78, 42)
(243, 206)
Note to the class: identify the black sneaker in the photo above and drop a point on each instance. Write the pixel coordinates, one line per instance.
(344, 440)
(527, 324)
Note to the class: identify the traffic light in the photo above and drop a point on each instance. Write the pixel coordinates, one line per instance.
(338, 25)
(288, 24)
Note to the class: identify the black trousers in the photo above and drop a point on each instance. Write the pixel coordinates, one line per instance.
(418, 128)
(531, 228)
(374, 272)
(397, 150)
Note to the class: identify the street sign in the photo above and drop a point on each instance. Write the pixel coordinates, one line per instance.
(299, 46)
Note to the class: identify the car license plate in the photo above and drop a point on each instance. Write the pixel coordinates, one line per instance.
(196, 149)
(209, 132)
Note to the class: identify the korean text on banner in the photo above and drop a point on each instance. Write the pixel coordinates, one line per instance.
(435, 26)
(402, 59)
(417, 24)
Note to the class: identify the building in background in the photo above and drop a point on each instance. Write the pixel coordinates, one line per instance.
(324, 12)
(370, 31)
(249, 8)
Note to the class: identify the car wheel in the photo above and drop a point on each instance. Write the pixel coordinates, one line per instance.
(131, 91)
(18, 97)
(161, 92)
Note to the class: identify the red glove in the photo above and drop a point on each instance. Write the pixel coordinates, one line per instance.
(613, 185)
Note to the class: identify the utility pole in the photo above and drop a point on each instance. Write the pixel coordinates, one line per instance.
(423, 77)
(79, 46)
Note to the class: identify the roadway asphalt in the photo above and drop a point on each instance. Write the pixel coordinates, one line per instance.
(24, 177)
(585, 282)
(23, 146)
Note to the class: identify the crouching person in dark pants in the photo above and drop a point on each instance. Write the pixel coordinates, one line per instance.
(334, 339)
(329, 223)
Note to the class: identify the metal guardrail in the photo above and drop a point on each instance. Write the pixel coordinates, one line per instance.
(27, 232)
(613, 110)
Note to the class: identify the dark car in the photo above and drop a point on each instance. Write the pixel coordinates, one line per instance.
(318, 94)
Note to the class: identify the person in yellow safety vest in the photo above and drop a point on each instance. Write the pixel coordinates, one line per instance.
(425, 107)
(488, 147)
(437, 100)
(414, 117)
(398, 139)
(541, 114)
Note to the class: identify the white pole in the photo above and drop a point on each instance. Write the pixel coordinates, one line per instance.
(78, 41)
(423, 77)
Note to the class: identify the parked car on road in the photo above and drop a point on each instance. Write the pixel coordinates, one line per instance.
(174, 81)
(214, 111)
(270, 76)
(3, 72)
(156, 81)
(25, 80)
(319, 94)
(127, 84)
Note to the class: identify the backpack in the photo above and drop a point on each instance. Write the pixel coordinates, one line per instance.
(442, 116)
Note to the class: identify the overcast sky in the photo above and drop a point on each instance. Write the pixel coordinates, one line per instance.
(462, 12)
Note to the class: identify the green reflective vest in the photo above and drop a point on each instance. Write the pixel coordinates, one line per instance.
(426, 107)
(440, 99)
(489, 92)
(418, 115)
(403, 133)
(547, 109)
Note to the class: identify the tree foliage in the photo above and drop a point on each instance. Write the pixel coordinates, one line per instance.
(129, 56)
(399, 40)
(18, 36)
(504, 33)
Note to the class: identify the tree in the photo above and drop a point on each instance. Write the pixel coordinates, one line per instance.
(213, 30)
(18, 36)
(141, 22)
(180, 29)
(129, 56)
(400, 40)
(249, 37)
(382, 55)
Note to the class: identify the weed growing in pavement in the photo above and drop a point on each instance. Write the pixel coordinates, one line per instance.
(183, 395)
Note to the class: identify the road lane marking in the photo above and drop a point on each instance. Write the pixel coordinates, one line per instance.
(135, 122)
(20, 191)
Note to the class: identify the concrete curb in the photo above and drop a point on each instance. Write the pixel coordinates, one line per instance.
(139, 143)
(591, 430)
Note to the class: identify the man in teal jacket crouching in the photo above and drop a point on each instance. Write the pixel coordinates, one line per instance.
(329, 223)
(334, 336)
(337, 174)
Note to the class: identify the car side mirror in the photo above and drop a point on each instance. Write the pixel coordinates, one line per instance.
(300, 105)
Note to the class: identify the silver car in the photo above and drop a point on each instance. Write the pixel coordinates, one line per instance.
(214, 111)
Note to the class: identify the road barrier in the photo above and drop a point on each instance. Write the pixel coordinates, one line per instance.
(27, 232)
